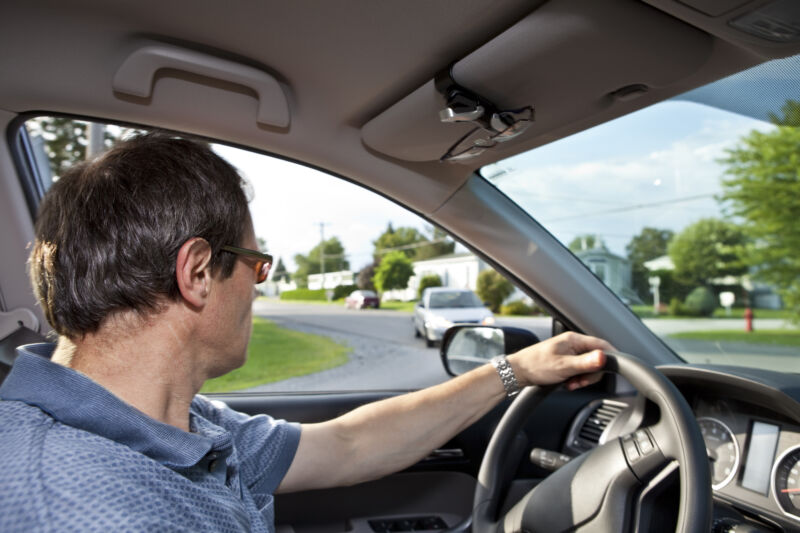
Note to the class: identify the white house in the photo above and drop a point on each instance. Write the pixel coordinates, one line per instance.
(330, 280)
(613, 270)
(458, 271)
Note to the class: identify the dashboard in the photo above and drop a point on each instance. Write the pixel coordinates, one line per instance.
(750, 421)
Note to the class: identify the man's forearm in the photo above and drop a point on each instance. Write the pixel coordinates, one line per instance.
(384, 437)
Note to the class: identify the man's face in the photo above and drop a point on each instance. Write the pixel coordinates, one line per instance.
(231, 308)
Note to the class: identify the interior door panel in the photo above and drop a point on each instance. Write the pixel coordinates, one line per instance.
(440, 486)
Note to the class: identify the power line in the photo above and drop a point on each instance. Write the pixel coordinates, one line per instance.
(633, 207)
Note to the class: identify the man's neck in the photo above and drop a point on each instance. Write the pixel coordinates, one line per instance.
(149, 364)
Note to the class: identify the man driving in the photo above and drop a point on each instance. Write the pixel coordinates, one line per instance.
(145, 264)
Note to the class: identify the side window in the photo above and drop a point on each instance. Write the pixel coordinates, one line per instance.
(339, 310)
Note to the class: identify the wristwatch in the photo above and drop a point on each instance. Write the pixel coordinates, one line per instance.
(506, 373)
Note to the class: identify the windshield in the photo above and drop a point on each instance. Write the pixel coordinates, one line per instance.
(687, 210)
(441, 299)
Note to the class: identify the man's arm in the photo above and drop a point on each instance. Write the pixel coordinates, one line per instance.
(384, 437)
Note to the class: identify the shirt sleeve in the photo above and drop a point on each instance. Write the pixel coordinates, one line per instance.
(266, 447)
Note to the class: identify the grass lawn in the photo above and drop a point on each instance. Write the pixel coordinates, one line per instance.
(738, 312)
(408, 307)
(276, 353)
(781, 337)
(646, 311)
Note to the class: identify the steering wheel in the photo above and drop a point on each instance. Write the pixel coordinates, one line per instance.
(597, 491)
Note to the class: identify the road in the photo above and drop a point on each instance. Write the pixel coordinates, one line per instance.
(386, 355)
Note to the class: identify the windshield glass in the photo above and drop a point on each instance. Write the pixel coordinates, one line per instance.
(687, 210)
(441, 299)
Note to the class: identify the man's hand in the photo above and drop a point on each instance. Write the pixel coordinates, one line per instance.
(570, 356)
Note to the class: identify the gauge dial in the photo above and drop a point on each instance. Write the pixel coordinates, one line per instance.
(786, 482)
(722, 450)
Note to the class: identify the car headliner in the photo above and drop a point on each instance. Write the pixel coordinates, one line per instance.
(343, 65)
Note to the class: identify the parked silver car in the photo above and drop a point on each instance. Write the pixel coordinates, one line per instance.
(439, 308)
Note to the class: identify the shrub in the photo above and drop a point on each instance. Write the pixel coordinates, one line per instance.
(431, 280)
(493, 288)
(517, 307)
(340, 291)
(676, 308)
(305, 294)
(701, 302)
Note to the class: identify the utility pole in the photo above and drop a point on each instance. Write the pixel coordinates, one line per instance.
(322, 250)
(95, 133)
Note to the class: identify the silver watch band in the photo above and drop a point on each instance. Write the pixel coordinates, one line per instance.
(506, 373)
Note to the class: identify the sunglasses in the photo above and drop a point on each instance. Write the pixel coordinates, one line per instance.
(261, 266)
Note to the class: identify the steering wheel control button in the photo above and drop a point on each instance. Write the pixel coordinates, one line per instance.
(644, 442)
(630, 449)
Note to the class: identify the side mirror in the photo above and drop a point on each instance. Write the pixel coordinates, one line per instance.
(465, 347)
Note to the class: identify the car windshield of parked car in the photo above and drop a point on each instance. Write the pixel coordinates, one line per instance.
(442, 299)
(687, 210)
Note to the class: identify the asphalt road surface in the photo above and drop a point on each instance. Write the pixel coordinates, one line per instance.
(387, 356)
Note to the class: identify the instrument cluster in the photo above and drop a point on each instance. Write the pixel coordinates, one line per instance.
(754, 456)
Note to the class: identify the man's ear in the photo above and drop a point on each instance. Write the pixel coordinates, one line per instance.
(193, 271)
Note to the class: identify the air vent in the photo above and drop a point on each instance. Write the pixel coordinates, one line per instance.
(597, 421)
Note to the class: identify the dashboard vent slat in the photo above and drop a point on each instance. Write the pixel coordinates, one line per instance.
(598, 421)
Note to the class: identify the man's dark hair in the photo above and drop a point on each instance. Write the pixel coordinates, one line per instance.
(108, 231)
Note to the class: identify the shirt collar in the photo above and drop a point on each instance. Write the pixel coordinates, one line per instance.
(73, 399)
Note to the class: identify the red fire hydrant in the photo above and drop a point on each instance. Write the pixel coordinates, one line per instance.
(748, 319)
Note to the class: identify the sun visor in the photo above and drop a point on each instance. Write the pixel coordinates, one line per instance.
(530, 69)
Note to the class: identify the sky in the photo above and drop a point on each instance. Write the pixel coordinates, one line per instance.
(658, 167)
(289, 201)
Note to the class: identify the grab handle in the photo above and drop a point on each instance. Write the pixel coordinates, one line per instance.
(135, 77)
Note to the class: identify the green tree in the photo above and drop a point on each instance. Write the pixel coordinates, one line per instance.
(761, 188)
(414, 244)
(648, 244)
(493, 288)
(393, 272)
(586, 242)
(66, 140)
(280, 273)
(431, 280)
(440, 244)
(335, 260)
(391, 239)
(708, 249)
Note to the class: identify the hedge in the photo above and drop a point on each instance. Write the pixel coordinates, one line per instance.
(340, 291)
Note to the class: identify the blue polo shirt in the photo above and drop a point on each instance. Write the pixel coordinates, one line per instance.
(74, 457)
